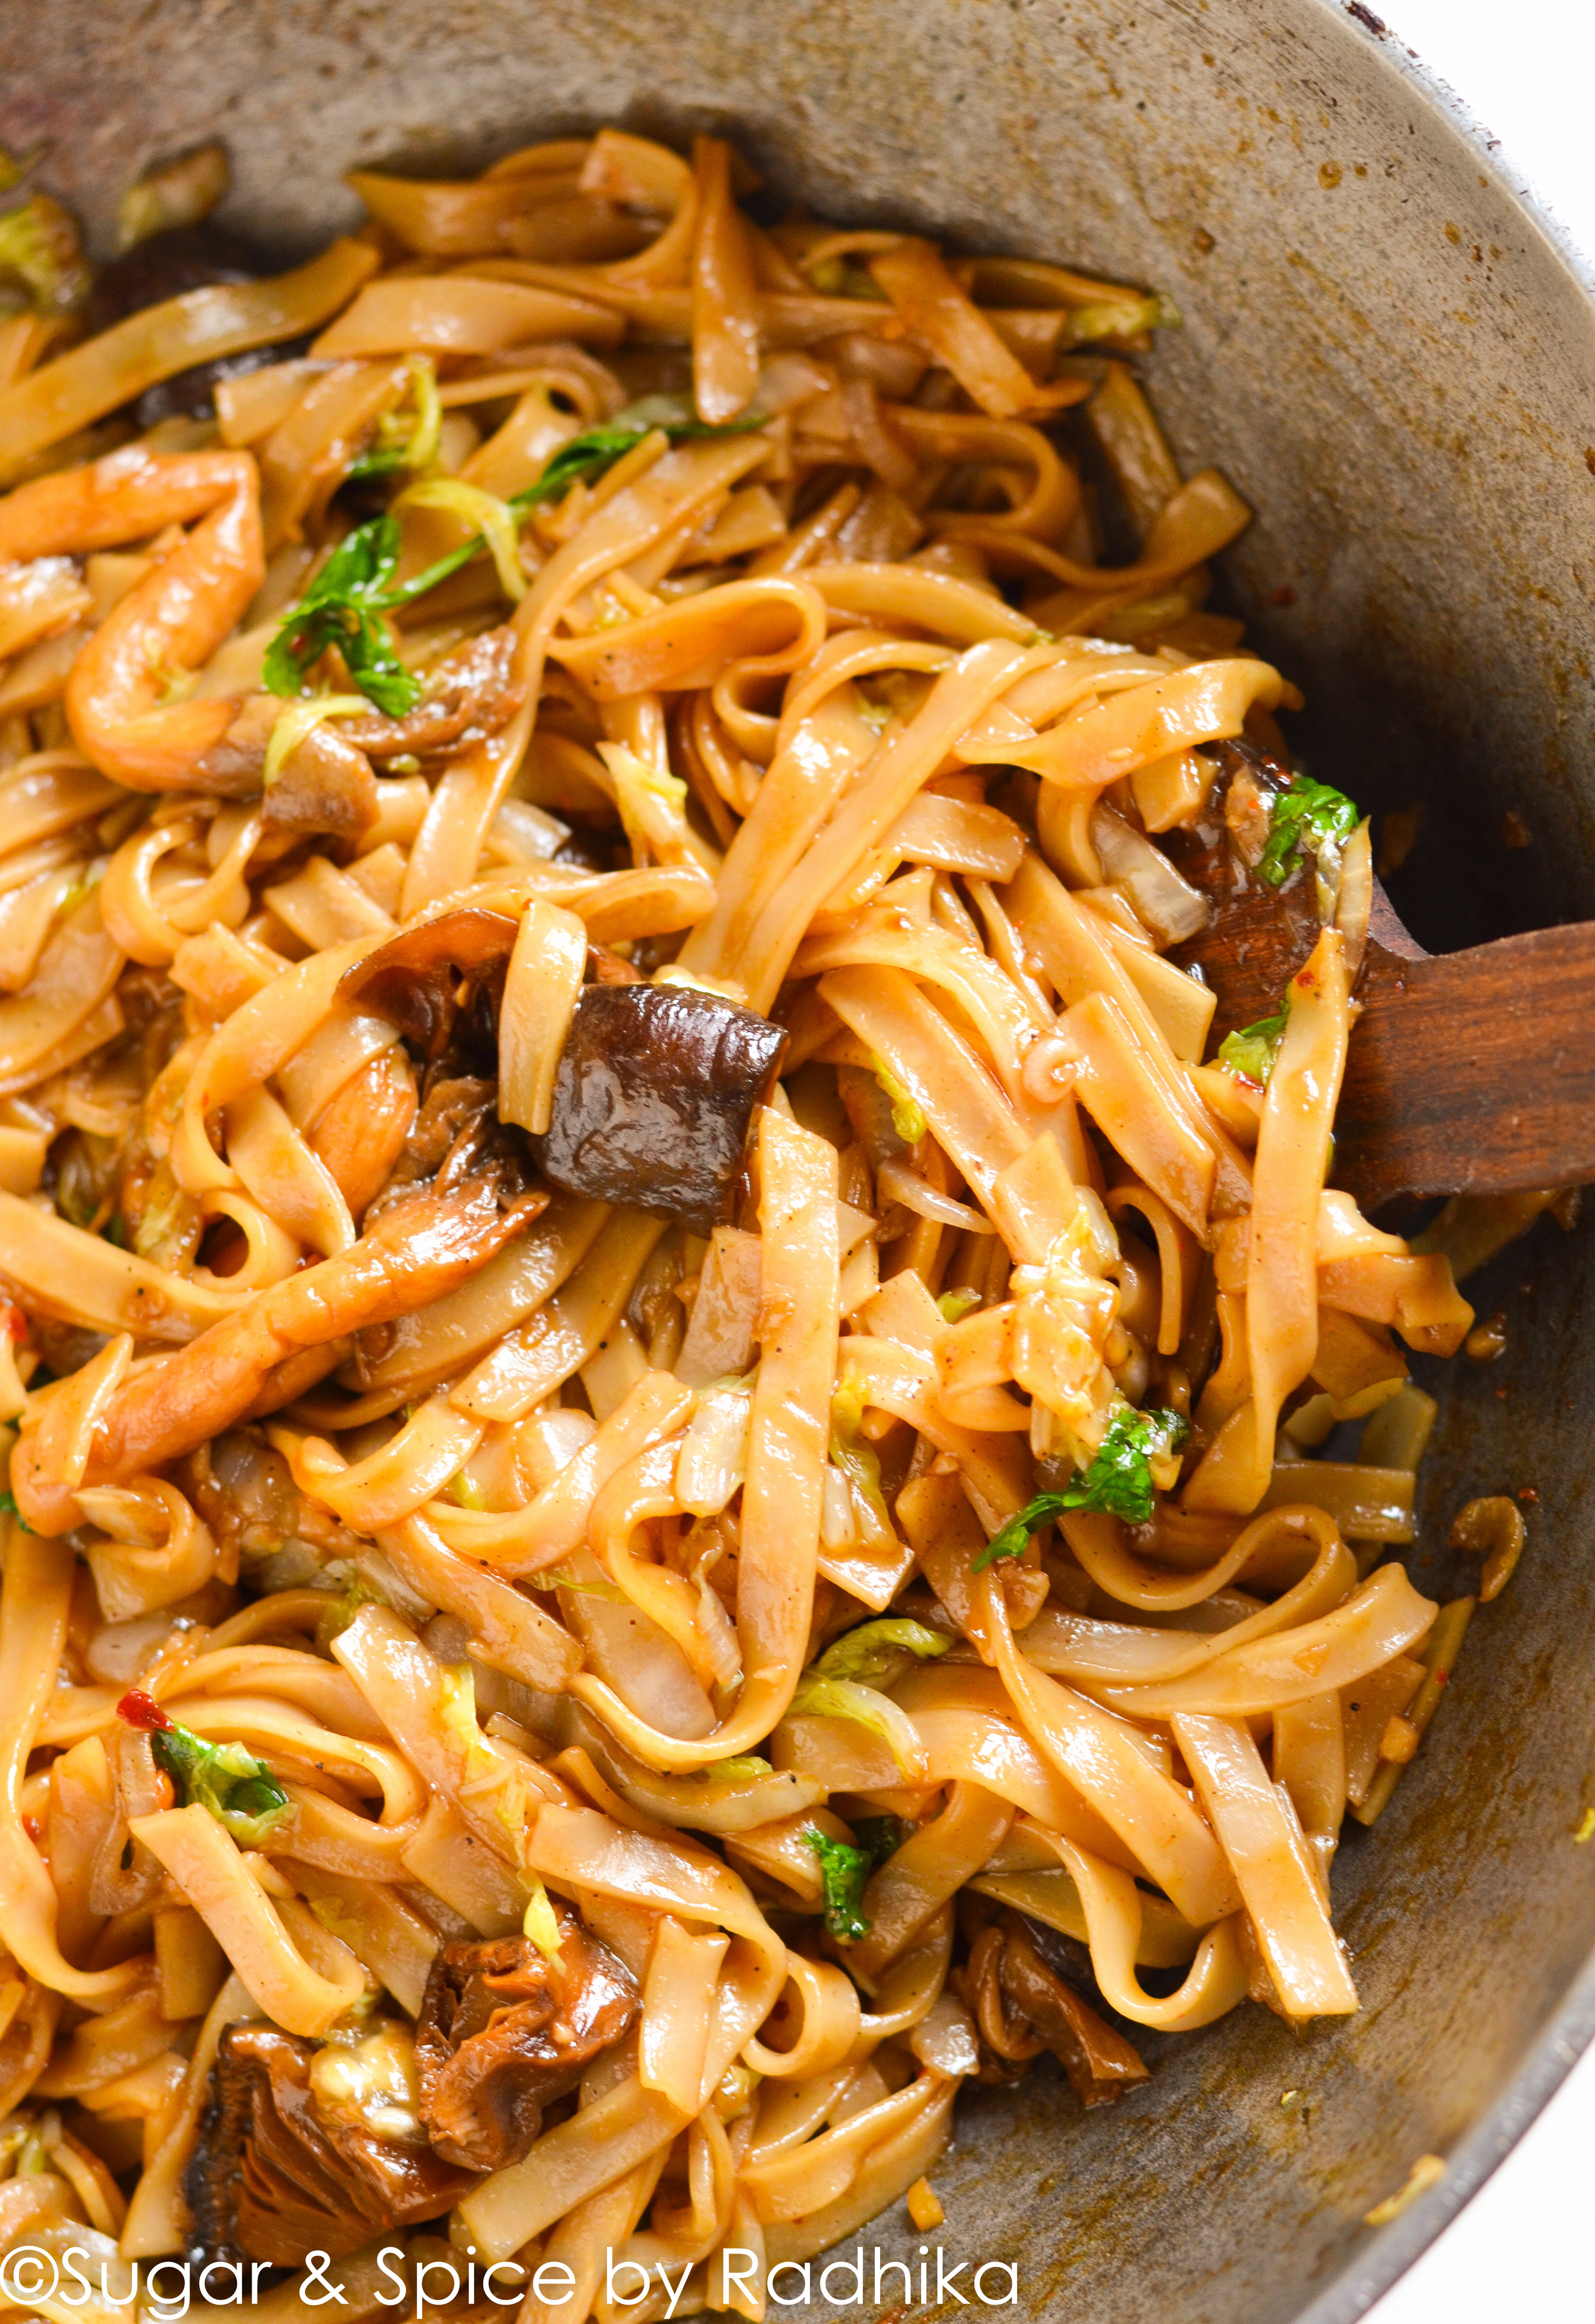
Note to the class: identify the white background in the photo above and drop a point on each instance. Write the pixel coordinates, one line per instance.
(1521, 2248)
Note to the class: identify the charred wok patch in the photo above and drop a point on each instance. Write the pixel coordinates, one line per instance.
(273, 2178)
(426, 979)
(504, 2029)
(655, 1098)
(163, 266)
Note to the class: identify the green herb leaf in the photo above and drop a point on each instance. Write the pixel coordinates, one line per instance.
(596, 450)
(845, 1868)
(1308, 815)
(343, 607)
(8, 1507)
(384, 458)
(590, 453)
(880, 1836)
(954, 1306)
(239, 1790)
(1118, 1484)
(845, 1873)
(1249, 1053)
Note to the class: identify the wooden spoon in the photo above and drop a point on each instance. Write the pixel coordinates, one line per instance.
(1469, 1073)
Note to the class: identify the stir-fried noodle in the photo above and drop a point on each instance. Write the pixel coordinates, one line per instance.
(666, 1413)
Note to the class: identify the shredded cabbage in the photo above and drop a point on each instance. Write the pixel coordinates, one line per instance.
(541, 1923)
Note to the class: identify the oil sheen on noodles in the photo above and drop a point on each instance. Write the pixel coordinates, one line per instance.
(669, 1417)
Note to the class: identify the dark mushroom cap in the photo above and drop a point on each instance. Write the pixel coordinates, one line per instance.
(1258, 936)
(163, 266)
(275, 2180)
(504, 2029)
(655, 1098)
(427, 976)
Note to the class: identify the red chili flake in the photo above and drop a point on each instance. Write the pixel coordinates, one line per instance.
(141, 1710)
(15, 1322)
(1527, 1493)
(30, 1825)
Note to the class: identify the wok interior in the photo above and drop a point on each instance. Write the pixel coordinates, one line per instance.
(1395, 367)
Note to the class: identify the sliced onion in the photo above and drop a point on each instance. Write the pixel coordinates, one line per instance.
(1171, 908)
(894, 1178)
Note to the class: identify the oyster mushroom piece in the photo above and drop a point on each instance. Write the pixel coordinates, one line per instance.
(654, 1099)
(471, 692)
(1098, 2061)
(274, 2178)
(1022, 2005)
(505, 2029)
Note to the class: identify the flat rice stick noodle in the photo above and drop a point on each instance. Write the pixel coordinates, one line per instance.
(667, 1411)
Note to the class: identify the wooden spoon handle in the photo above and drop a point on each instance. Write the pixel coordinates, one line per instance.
(1472, 1072)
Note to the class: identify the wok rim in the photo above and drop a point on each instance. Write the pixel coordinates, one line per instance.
(1570, 2030)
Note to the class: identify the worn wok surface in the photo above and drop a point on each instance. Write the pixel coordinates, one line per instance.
(1393, 359)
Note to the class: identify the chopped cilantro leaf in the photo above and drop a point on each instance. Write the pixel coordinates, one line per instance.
(880, 1836)
(343, 607)
(355, 586)
(1248, 1052)
(844, 1871)
(1308, 815)
(1118, 1484)
(845, 1868)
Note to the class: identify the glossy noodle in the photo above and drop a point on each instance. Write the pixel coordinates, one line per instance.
(669, 1421)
